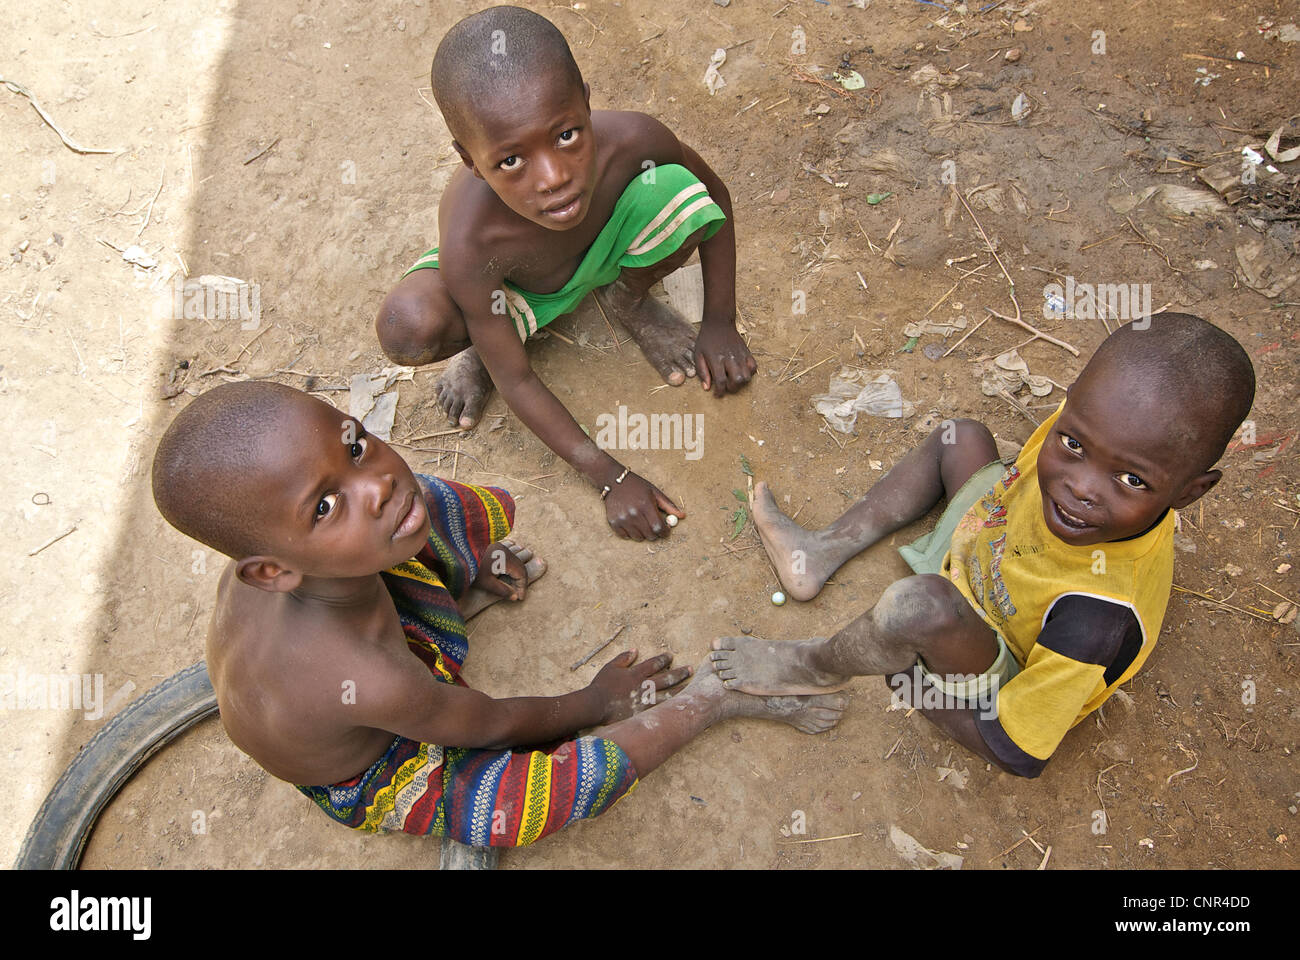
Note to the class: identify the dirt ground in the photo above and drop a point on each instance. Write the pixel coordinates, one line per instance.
(294, 146)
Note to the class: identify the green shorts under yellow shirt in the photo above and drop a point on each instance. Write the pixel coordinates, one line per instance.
(657, 212)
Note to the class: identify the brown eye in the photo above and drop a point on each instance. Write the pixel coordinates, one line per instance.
(326, 504)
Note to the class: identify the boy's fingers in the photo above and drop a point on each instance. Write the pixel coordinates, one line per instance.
(737, 373)
(670, 678)
(702, 370)
(656, 664)
(666, 505)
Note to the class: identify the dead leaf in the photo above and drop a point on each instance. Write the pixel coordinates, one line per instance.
(1274, 142)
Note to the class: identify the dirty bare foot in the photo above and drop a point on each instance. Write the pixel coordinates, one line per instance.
(463, 388)
(667, 340)
(506, 571)
(811, 714)
(803, 559)
(771, 667)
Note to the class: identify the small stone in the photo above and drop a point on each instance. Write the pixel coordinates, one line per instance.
(22, 247)
(1021, 26)
(671, 520)
(1115, 750)
(1283, 568)
(1013, 55)
(778, 598)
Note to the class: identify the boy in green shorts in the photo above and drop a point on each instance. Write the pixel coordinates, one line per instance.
(1045, 584)
(553, 202)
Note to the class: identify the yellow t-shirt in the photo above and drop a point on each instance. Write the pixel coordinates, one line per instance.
(1014, 570)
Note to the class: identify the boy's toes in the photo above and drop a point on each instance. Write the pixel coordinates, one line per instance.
(534, 568)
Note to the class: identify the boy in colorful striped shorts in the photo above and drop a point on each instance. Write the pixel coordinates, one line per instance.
(339, 633)
(554, 202)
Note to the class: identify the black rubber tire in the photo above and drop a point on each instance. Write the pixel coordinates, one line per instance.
(58, 835)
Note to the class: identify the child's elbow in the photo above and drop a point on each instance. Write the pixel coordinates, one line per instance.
(1027, 768)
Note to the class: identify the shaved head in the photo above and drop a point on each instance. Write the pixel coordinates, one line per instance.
(1187, 372)
(494, 54)
(208, 464)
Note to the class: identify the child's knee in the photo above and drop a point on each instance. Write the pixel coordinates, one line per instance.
(965, 433)
(917, 606)
(418, 324)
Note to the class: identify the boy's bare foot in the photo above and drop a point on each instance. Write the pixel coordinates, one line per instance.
(770, 667)
(522, 568)
(801, 558)
(667, 340)
(463, 388)
(811, 714)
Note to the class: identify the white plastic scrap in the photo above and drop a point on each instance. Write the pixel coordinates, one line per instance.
(136, 255)
(853, 391)
(712, 79)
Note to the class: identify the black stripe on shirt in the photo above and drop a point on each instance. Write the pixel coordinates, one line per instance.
(1004, 748)
(1093, 630)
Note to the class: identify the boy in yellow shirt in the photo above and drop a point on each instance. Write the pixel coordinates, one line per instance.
(1045, 583)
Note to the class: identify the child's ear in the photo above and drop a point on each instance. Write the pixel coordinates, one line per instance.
(466, 159)
(1197, 488)
(267, 574)
(586, 95)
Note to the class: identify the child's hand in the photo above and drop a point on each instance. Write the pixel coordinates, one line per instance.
(632, 509)
(626, 687)
(722, 361)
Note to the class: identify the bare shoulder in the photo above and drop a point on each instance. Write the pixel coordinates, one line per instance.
(473, 228)
(275, 669)
(307, 695)
(634, 136)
